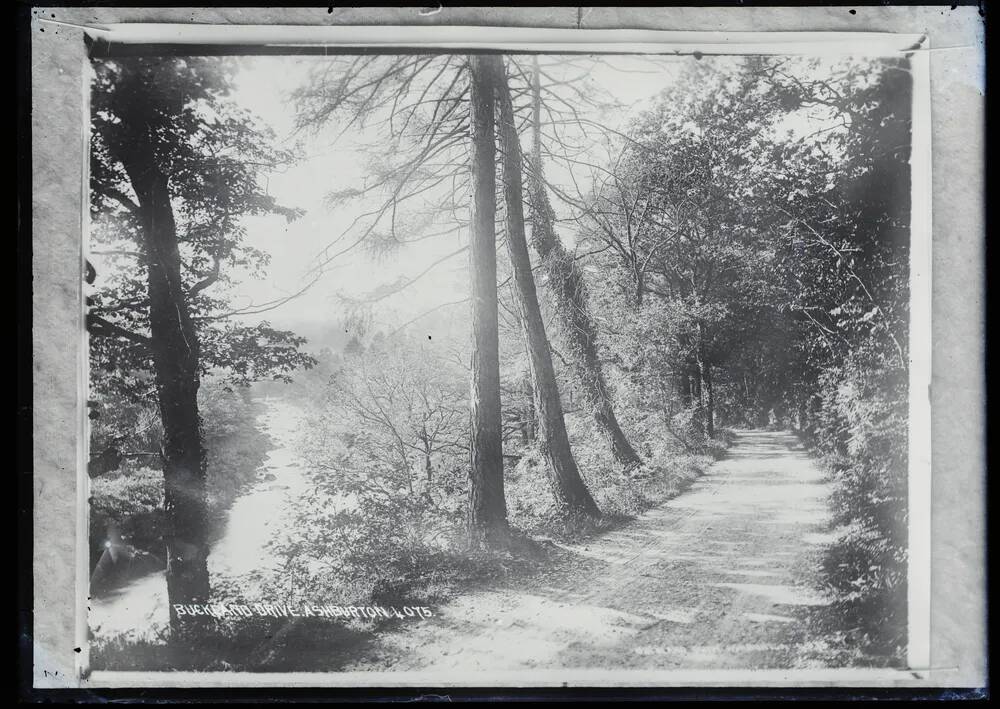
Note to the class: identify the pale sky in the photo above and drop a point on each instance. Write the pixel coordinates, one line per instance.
(264, 87)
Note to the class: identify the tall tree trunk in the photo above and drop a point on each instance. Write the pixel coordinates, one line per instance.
(709, 400)
(528, 418)
(487, 511)
(175, 349)
(428, 468)
(800, 424)
(428, 465)
(639, 279)
(684, 387)
(567, 486)
(697, 397)
(706, 400)
(568, 289)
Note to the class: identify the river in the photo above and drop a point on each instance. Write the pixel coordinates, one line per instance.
(139, 608)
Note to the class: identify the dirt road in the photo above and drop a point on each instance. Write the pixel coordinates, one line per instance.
(721, 576)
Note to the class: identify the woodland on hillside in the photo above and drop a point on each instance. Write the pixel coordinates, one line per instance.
(734, 256)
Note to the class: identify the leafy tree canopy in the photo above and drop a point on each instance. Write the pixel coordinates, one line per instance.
(215, 156)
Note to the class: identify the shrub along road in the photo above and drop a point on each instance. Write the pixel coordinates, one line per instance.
(722, 576)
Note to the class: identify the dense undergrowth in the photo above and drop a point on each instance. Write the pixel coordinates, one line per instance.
(860, 433)
(126, 504)
(405, 549)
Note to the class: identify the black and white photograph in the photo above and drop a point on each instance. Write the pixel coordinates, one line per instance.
(513, 359)
(499, 361)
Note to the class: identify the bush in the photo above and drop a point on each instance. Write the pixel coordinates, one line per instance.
(386, 446)
(127, 503)
(665, 471)
(127, 512)
(345, 552)
(861, 430)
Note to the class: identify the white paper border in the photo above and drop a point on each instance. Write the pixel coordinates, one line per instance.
(514, 39)
(918, 649)
(546, 40)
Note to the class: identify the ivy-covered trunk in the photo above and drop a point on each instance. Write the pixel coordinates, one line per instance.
(709, 400)
(487, 512)
(706, 398)
(527, 418)
(568, 289)
(174, 346)
(567, 486)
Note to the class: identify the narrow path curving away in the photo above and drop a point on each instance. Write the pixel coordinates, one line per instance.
(722, 576)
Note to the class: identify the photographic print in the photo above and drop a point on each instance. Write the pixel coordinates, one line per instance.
(418, 360)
